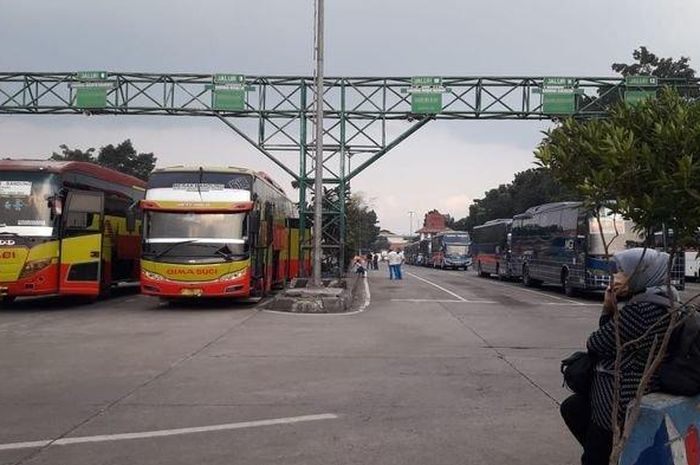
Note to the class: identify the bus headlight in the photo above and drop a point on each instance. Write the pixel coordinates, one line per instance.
(234, 275)
(35, 266)
(153, 276)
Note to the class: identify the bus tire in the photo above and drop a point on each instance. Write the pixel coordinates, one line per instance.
(480, 271)
(567, 287)
(527, 280)
(7, 301)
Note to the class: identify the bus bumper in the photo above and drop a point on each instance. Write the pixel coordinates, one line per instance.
(44, 282)
(239, 287)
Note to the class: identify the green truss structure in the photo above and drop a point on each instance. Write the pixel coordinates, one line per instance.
(364, 117)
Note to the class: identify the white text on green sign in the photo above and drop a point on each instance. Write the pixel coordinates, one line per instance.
(92, 75)
(641, 81)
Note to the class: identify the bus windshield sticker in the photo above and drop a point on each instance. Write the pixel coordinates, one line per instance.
(16, 188)
(194, 187)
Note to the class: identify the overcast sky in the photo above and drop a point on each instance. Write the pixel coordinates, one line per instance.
(443, 166)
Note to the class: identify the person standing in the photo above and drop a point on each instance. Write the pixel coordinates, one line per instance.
(402, 258)
(394, 260)
(369, 258)
(375, 261)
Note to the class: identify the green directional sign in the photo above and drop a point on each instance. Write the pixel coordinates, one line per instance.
(426, 94)
(559, 95)
(641, 81)
(228, 92)
(640, 88)
(91, 90)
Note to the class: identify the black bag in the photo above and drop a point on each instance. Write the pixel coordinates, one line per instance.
(679, 374)
(578, 371)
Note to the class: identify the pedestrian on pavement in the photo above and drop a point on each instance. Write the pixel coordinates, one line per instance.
(394, 260)
(375, 261)
(359, 265)
(403, 259)
(639, 278)
(369, 260)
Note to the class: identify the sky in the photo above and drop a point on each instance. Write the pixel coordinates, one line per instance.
(445, 165)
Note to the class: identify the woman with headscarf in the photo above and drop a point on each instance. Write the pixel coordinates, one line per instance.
(639, 279)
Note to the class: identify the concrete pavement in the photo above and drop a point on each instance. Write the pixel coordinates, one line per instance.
(443, 367)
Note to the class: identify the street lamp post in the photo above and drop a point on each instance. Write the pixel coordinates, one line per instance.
(410, 229)
(318, 181)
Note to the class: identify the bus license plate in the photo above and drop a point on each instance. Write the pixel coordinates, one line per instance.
(191, 292)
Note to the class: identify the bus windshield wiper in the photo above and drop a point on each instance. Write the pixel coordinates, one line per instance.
(172, 246)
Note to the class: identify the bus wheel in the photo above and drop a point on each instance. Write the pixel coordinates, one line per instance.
(569, 289)
(7, 300)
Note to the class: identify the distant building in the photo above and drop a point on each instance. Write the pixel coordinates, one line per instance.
(433, 223)
(396, 241)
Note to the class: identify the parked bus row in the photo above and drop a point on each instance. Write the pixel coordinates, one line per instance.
(445, 250)
(557, 243)
(73, 228)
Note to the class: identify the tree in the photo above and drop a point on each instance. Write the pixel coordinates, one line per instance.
(362, 230)
(648, 64)
(529, 188)
(122, 158)
(68, 154)
(644, 163)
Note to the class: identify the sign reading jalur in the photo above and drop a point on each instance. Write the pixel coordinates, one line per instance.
(228, 92)
(91, 89)
(640, 88)
(559, 95)
(426, 94)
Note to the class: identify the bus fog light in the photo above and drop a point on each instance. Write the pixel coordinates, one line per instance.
(35, 266)
(230, 276)
(153, 276)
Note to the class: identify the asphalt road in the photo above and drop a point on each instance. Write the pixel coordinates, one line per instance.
(443, 367)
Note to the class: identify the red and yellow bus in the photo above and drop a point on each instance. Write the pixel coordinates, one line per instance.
(217, 232)
(64, 228)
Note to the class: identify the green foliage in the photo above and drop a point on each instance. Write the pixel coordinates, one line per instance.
(362, 229)
(122, 158)
(647, 63)
(529, 188)
(645, 158)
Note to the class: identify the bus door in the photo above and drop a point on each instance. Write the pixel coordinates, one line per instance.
(81, 243)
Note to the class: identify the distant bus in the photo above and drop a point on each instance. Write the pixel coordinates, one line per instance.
(490, 248)
(560, 243)
(65, 228)
(412, 253)
(217, 232)
(425, 252)
(451, 250)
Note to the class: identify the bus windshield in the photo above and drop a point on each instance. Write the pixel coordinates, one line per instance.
(453, 249)
(189, 235)
(24, 203)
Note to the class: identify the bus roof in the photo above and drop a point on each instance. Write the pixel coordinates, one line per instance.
(493, 222)
(60, 167)
(549, 207)
(221, 169)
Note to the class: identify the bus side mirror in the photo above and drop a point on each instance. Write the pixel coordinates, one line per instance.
(55, 206)
(254, 223)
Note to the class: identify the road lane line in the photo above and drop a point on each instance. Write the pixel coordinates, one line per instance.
(167, 432)
(462, 299)
(540, 294)
(447, 301)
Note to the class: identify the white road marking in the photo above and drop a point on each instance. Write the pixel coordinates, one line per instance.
(166, 432)
(539, 294)
(459, 297)
(463, 301)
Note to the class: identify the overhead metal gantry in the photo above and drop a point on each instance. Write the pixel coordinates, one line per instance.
(364, 117)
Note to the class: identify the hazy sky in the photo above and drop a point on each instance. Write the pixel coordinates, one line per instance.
(443, 166)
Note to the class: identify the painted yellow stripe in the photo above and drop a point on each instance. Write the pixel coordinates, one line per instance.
(187, 272)
(78, 249)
